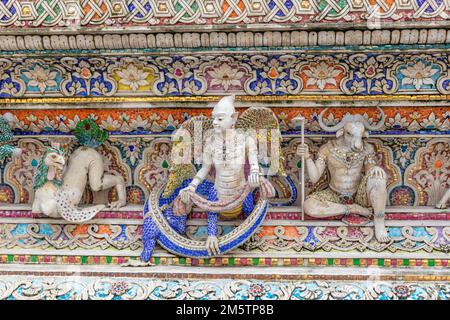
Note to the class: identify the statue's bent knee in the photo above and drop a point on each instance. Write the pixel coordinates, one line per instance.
(311, 205)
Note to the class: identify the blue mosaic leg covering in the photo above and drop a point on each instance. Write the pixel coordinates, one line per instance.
(248, 205)
(150, 232)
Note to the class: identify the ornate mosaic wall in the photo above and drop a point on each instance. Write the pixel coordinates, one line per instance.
(100, 287)
(45, 13)
(245, 74)
(142, 86)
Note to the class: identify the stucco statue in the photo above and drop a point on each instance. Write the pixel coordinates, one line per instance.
(231, 150)
(6, 136)
(442, 204)
(59, 197)
(357, 184)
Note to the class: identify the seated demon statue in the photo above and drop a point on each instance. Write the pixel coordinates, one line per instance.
(357, 184)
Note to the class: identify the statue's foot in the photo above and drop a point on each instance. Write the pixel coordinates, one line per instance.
(381, 233)
(137, 263)
(359, 210)
(117, 205)
(146, 255)
(441, 205)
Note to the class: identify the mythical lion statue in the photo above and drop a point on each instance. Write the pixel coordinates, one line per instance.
(230, 147)
(60, 197)
(357, 183)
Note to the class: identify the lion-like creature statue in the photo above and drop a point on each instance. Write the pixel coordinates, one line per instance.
(60, 197)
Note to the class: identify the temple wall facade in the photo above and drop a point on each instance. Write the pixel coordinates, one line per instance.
(140, 69)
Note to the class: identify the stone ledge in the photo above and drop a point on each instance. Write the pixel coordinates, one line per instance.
(225, 40)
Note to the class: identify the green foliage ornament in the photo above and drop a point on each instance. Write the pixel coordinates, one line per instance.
(6, 136)
(89, 134)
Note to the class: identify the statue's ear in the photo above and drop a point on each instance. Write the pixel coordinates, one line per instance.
(366, 134)
(339, 133)
(235, 116)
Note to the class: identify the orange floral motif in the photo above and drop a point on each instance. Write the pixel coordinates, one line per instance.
(116, 119)
(438, 164)
(80, 229)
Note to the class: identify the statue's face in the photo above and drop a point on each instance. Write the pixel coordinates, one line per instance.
(223, 121)
(353, 135)
(56, 160)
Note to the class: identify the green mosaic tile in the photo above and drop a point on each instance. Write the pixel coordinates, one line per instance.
(329, 261)
(34, 259)
(206, 261)
(380, 262)
(356, 262)
(84, 260)
(10, 258)
(108, 260)
(255, 261)
(182, 260)
(231, 261)
(406, 262)
(431, 263)
(157, 260)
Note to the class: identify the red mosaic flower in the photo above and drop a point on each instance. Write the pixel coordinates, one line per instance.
(118, 288)
(402, 291)
(256, 290)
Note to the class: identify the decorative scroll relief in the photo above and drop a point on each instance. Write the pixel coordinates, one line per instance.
(17, 287)
(268, 238)
(102, 13)
(429, 175)
(244, 74)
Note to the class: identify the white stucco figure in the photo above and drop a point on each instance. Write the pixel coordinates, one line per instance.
(442, 204)
(357, 184)
(226, 150)
(60, 197)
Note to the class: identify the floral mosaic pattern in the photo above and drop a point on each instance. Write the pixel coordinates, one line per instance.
(295, 239)
(243, 74)
(430, 175)
(121, 288)
(102, 13)
(163, 119)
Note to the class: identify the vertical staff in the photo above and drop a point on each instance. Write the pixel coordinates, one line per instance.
(302, 121)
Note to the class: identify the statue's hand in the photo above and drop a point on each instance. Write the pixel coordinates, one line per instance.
(185, 197)
(212, 245)
(303, 150)
(253, 179)
(377, 172)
